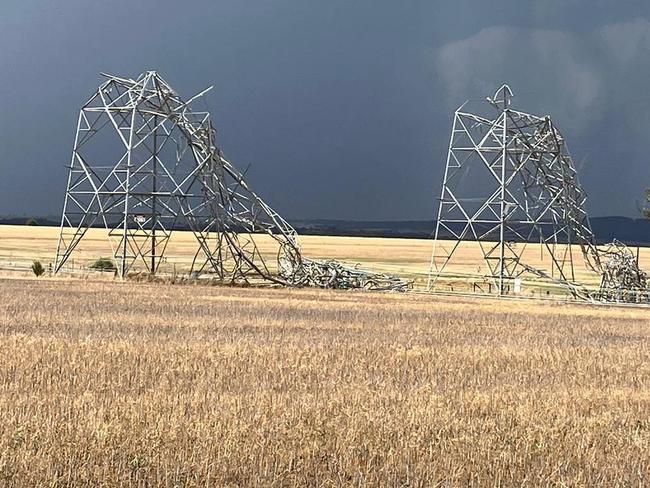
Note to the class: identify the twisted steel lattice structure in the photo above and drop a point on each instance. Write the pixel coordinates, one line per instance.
(145, 162)
(622, 280)
(509, 181)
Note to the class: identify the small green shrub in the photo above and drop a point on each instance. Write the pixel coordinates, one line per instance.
(38, 268)
(103, 264)
(31, 222)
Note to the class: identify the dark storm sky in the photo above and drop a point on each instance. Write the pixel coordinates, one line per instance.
(342, 108)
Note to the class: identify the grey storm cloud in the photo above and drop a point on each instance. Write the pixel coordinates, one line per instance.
(589, 82)
(553, 66)
(627, 41)
(342, 109)
(571, 76)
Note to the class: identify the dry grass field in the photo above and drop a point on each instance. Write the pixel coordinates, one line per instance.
(409, 258)
(140, 384)
(19, 245)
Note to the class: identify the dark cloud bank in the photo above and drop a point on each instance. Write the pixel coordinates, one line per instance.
(342, 108)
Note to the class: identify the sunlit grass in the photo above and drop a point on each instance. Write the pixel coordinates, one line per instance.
(148, 384)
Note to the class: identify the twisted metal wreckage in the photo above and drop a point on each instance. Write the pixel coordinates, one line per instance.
(145, 162)
(621, 278)
(510, 181)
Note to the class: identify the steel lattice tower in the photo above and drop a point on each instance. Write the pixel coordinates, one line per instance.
(509, 181)
(145, 162)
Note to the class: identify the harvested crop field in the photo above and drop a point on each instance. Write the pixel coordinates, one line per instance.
(407, 258)
(141, 384)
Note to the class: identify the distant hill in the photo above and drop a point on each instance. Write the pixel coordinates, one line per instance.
(406, 228)
(630, 231)
(43, 221)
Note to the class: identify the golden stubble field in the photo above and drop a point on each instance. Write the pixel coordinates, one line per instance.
(408, 258)
(19, 245)
(141, 384)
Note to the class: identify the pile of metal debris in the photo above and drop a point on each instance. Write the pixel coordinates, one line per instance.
(621, 278)
(335, 275)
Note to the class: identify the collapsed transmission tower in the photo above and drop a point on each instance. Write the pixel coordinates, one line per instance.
(510, 181)
(145, 163)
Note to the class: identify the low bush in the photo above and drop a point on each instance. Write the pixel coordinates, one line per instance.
(103, 264)
(38, 268)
